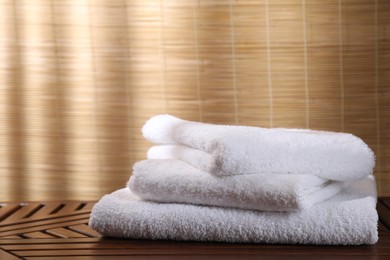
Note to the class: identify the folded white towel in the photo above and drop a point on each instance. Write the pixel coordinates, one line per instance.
(177, 181)
(349, 218)
(233, 150)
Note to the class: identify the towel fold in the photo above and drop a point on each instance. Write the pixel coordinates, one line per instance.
(235, 150)
(178, 182)
(349, 218)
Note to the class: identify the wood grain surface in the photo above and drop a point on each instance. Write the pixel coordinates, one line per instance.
(59, 230)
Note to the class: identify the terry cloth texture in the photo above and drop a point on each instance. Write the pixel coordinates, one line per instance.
(235, 150)
(349, 218)
(175, 181)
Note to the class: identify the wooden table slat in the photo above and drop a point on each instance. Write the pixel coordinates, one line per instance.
(47, 210)
(45, 226)
(88, 206)
(37, 234)
(7, 256)
(10, 237)
(85, 229)
(71, 207)
(217, 257)
(65, 233)
(7, 211)
(56, 211)
(382, 227)
(385, 200)
(23, 213)
(384, 214)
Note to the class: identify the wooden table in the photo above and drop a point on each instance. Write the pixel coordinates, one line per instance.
(59, 230)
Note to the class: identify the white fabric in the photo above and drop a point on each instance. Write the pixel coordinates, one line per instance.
(230, 150)
(349, 218)
(177, 181)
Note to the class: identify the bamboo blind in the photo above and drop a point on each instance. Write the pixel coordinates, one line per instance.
(79, 78)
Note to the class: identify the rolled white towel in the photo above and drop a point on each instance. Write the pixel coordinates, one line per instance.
(349, 218)
(235, 150)
(175, 181)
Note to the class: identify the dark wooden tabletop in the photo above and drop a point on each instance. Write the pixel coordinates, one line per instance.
(59, 230)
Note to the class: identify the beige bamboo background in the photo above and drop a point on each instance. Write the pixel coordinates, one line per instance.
(78, 79)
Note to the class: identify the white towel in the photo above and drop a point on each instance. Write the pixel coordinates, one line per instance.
(229, 150)
(349, 218)
(177, 181)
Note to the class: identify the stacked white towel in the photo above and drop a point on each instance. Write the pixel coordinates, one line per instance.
(235, 150)
(245, 184)
(177, 181)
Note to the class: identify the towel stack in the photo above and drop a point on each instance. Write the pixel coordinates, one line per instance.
(209, 182)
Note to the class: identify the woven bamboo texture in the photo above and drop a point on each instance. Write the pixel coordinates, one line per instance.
(79, 78)
(59, 230)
